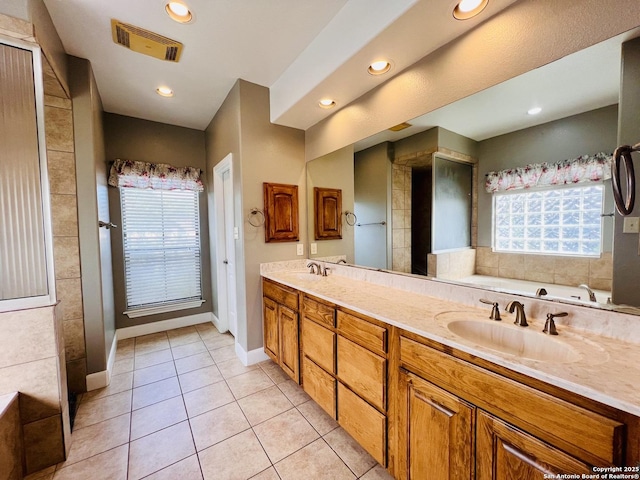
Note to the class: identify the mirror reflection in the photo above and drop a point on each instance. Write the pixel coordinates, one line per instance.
(425, 205)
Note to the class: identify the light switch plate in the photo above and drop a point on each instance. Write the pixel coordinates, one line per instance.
(300, 249)
(314, 248)
(631, 225)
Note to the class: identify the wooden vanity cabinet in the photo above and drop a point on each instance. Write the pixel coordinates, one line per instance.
(280, 327)
(449, 404)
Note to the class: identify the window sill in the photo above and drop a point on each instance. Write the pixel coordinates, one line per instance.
(143, 312)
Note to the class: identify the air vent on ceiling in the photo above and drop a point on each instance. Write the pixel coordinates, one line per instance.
(146, 42)
(399, 127)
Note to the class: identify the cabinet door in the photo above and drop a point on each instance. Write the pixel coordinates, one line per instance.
(436, 436)
(319, 385)
(364, 372)
(504, 453)
(289, 353)
(318, 343)
(270, 328)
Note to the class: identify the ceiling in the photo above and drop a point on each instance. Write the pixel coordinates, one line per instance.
(580, 82)
(303, 50)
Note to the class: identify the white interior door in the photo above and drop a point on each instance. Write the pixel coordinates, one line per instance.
(229, 240)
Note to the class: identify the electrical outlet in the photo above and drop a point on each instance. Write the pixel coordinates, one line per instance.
(631, 225)
(300, 249)
(314, 248)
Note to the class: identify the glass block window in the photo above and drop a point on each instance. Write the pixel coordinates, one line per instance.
(561, 221)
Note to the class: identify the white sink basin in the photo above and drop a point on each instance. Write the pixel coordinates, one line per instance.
(517, 341)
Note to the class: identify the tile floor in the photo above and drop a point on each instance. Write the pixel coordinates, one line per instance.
(181, 405)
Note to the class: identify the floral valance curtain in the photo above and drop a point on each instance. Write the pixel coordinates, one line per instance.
(587, 168)
(158, 176)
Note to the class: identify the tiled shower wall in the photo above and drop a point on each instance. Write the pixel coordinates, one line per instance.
(595, 272)
(401, 218)
(64, 213)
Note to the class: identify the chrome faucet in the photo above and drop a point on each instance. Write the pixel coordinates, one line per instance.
(315, 268)
(324, 270)
(541, 291)
(592, 296)
(521, 318)
(342, 260)
(495, 311)
(550, 325)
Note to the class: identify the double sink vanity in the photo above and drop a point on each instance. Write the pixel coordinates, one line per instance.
(423, 379)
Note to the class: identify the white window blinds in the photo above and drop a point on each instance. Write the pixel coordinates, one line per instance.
(161, 239)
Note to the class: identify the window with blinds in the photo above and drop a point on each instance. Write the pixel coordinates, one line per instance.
(161, 239)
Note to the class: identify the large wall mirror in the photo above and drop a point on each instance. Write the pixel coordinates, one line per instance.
(420, 199)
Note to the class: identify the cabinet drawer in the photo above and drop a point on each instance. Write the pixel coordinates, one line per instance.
(320, 386)
(280, 294)
(580, 432)
(363, 422)
(363, 371)
(319, 312)
(363, 332)
(318, 343)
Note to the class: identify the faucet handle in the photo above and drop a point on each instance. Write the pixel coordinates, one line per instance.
(495, 311)
(550, 325)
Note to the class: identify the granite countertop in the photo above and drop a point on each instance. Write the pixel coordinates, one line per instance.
(597, 367)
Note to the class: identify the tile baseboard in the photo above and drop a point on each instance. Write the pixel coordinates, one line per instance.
(252, 356)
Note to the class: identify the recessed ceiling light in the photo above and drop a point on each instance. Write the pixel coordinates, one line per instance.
(379, 67)
(469, 8)
(327, 103)
(534, 111)
(164, 91)
(179, 12)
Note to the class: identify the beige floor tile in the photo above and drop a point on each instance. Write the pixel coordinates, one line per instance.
(187, 469)
(194, 362)
(125, 348)
(159, 450)
(284, 434)
(157, 416)
(123, 366)
(248, 383)
(119, 383)
(206, 328)
(207, 398)
(101, 409)
(237, 458)
(156, 373)
(199, 378)
(183, 336)
(155, 392)
(274, 371)
(265, 404)
(377, 473)
(294, 392)
(144, 360)
(220, 354)
(316, 461)
(317, 417)
(110, 465)
(98, 438)
(217, 425)
(216, 341)
(351, 453)
(234, 367)
(268, 474)
(151, 343)
(187, 350)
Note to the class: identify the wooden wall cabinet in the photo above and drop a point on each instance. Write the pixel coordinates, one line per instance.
(280, 327)
(280, 213)
(328, 213)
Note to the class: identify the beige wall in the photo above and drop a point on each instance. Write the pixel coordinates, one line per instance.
(136, 139)
(262, 152)
(526, 35)
(335, 170)
(95, 254)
